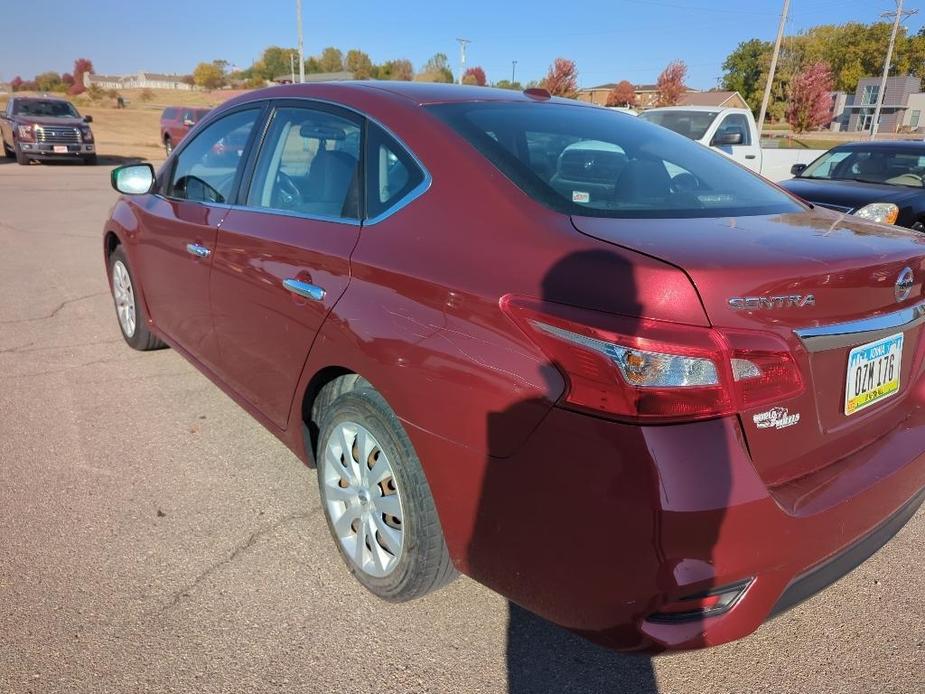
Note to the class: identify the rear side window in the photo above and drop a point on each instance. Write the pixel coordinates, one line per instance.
(169, 114)
(310, 164)
(392, 173)
(582, 160)
(206, 169)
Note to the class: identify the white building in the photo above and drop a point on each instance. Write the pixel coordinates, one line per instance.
(140, 80)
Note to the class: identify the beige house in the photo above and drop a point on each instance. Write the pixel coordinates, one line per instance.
(141, 80)
(647, 96)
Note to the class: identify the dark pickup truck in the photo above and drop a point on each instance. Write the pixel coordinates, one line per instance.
(42, 128)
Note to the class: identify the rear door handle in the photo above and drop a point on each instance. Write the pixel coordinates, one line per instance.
(309, 291)
(197, 250)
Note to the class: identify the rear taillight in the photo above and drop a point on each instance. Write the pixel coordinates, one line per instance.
(646, 370)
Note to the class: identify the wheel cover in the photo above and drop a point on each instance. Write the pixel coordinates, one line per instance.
(124, 296)
(362, 499)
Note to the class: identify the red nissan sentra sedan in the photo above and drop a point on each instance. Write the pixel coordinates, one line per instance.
(595, 366)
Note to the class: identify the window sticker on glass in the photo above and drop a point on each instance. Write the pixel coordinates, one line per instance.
(580, 196)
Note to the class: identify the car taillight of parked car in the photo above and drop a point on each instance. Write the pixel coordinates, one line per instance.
(26, 132)
(654, 371)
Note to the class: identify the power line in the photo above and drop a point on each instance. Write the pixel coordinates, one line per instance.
(462, 57)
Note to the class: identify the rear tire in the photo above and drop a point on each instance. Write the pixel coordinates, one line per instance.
(377, 501)
(129, 311)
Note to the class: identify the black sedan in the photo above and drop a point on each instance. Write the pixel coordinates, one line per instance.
(880, 181)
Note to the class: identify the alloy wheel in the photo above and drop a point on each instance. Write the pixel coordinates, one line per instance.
(362, 499)
(124, 296)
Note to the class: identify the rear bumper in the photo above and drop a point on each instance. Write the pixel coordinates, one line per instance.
(597, 526)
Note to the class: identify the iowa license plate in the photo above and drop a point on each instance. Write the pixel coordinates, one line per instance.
(873, 373)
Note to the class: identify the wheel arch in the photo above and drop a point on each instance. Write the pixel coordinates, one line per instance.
(323, 388)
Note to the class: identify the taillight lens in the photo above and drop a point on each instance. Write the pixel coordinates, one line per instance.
(646, 370)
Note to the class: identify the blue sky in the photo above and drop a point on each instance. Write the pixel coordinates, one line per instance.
(609, 40)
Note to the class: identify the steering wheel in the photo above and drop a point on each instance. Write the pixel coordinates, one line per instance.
(288, 194)
(685, 183)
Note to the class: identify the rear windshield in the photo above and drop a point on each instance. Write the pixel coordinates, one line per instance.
(692, 124)
(47, 108)
(595, 162)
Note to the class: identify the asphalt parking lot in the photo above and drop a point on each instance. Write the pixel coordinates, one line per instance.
(154, 538)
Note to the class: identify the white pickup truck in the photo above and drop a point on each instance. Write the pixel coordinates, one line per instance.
(731, 131)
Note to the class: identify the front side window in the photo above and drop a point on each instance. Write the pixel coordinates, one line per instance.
(736, 123)
(692, 124)
(309, 163)
(392, 173)
(588, 161)
(892, 166)
(205, 170)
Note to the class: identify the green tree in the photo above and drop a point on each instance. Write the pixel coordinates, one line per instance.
(746, 71)
(359, 64)
(437, 69)
(274, 62)
(507, 84)
(331, 60)
(49, 82)
(400, 69)
(208, 76)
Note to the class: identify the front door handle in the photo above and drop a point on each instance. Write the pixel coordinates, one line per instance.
(309, 291)
(197, 250)
(751, 156)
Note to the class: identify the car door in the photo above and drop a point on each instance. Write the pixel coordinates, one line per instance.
(179, 225)
(283, 256)
(748, 151)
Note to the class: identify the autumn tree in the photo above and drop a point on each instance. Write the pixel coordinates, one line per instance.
(400, 69)
(475, 75)
(82, 67)
(209, 75)
(16, 83)
(49, 82)
(358, 62)
(561, 78)
(670, 86)
(331, 60)
(623, 94)
(437, 69)
(811, 98)
(67, 79)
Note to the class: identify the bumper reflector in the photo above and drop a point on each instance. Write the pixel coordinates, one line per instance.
(711, 603)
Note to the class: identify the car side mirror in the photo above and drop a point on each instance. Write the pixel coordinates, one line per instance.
(88, 119)
(133, 179)
(797, 169)
(189, 122)
(727, 137)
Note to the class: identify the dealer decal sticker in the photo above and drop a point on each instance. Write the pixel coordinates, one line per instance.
(776, 418)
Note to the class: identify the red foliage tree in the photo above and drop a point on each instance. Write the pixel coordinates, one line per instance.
(670, 85)
(562, 78)
(811, 98)
(623, 94)
(82, 66)
(475, 75)
(16, 83)
(68, 79)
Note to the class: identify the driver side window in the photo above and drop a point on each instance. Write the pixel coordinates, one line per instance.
(205, 170)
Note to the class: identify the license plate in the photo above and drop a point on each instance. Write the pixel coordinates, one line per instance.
(60, 149)
(873, 373)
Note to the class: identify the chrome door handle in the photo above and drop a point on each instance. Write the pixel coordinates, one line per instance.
(197, 250)
(309, 291)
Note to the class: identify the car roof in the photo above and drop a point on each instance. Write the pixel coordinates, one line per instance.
(41, 98)
(885, 145)
(421, 93)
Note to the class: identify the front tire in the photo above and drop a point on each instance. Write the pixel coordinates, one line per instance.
(129, 311)
(21, 157)
(8, 151)
(377, 501)
(168, 145)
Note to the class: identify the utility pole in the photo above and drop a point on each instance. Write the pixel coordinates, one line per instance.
(513, 70)
(298, 21)
(899, 15)
(770, 84)
(462, 57)
(292, 66)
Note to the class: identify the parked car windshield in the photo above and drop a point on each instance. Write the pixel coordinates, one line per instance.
(582, 160)
(894, 166)
(46, 108)
(692, 124)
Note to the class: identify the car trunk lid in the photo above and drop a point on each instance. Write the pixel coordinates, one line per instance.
(822, 282)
